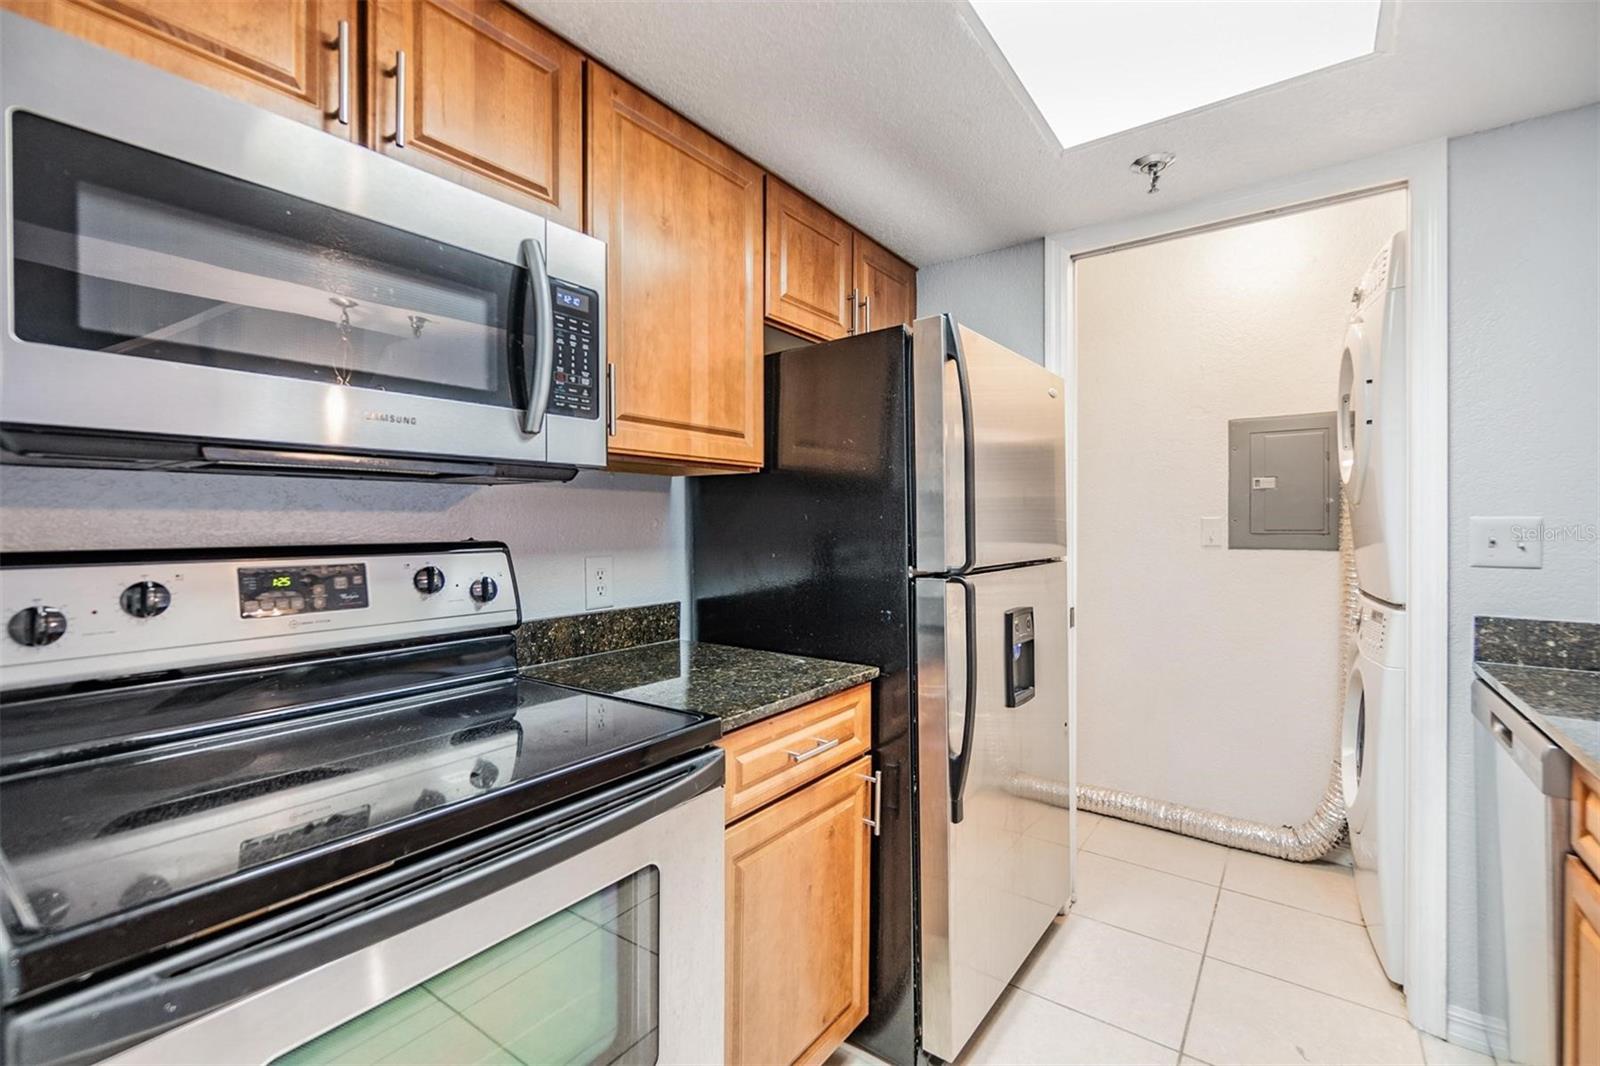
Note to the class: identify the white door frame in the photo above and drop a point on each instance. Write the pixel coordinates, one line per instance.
(1422, 169)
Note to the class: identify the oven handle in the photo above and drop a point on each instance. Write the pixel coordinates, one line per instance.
(537, 372)
(114, 1015)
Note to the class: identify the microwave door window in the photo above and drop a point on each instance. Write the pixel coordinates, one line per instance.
(122, 250)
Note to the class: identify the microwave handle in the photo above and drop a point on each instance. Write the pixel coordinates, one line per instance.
(537, 371)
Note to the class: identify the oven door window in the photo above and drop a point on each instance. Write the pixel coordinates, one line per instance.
(582, 986)
(122, 250)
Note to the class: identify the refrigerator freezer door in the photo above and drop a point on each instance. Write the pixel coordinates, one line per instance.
(1016, 412)
(992, 882)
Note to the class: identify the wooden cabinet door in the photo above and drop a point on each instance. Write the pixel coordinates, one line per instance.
(1580, 1043)
(798, 894)
(680, 213)
(809, 266)
(886, 287)
(282, 56)
(489, 99)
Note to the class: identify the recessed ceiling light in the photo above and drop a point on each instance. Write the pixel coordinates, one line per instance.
(1094, 68)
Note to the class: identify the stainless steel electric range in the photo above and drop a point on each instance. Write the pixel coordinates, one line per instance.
(298, 806)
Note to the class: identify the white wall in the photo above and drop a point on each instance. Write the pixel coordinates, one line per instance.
(1208, 676)
(1524, 407)
(999, 294)
(638, 520)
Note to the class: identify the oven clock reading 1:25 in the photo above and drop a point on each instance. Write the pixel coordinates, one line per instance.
(272, 592)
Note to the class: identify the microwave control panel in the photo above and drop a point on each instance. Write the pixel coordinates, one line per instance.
(575, 386)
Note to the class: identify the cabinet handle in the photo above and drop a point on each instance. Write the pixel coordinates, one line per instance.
(851, 300)
(866, 314)
(876, 821)
(400, 99)
(611, 400)
(344, 72)
(812, 753)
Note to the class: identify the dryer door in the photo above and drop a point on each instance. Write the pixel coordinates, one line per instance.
(1353, 756)
(1357, 374)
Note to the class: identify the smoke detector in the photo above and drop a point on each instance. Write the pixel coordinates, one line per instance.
(1152, 166)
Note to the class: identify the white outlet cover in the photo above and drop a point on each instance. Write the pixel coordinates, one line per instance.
(1213, 532)
(597, 582)
(1515, 541)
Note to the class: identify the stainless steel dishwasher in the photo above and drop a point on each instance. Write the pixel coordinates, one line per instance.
(1524, 784)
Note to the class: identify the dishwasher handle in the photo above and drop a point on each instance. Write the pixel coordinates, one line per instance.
(1536, 755)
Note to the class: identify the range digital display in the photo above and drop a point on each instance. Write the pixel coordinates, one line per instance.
(271, 592)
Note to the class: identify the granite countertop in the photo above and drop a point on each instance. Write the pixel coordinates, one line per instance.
(1550, 671)
(1564, 704)
(738, 685)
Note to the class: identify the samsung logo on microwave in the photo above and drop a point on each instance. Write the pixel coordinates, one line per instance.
(385, 416)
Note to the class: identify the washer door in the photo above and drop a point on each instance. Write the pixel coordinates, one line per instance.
(1357, 372)
(1353, 761)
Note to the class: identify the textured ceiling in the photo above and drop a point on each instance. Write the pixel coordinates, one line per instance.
(903, 118)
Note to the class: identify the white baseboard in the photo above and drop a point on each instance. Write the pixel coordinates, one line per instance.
(1474, 1031)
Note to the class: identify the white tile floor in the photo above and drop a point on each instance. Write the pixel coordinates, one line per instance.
(1181, 951)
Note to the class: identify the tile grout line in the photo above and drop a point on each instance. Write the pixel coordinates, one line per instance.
(1194, 996)
(1219, 883)
(1318, 991)
(1091, 1017)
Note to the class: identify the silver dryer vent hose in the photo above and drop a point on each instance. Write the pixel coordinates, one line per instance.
(1306, 842)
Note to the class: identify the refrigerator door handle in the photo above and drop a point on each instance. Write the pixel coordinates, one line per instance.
(961, 763)
(968, 454)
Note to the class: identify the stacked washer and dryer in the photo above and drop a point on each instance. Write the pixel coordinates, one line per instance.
(1372, 465)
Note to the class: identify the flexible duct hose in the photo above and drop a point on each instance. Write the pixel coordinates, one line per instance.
(1306, 842)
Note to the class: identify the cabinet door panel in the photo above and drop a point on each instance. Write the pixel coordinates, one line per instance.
(278, 54)
(492, 100)
(808, 265)
(681, 217)
(1581, 1029)
(887, 286)
(798, 895)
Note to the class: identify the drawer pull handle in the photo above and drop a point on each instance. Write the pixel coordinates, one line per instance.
(812, 753)
(876, 821)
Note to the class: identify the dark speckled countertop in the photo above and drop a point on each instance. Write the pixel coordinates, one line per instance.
(1551, 673)
(738, 685)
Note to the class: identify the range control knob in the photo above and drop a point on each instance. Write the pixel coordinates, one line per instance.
(428, 579)
(484, 589)
(484, 775)
(146, 599)
(37, 626)
(50, 906)
(145, 888)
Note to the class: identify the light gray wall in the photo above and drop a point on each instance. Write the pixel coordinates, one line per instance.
(1524, 407)
(636, 519)
(999, 294)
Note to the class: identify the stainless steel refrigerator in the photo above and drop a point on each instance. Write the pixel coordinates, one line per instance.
(912, 515)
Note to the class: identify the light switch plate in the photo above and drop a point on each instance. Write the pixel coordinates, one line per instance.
(1213, 532)
(1515, 541)
(597, 581)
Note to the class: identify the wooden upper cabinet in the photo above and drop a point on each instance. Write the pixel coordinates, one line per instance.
(281, 56)
(886, 287)
(489, 99)
(798, 896)
(809, 271)
(680, 213)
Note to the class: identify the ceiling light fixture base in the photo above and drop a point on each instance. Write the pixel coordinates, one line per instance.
(1151, 166)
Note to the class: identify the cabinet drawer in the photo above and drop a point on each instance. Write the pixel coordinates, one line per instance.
(1586, 819)
(777, 756)
(1580, 1037)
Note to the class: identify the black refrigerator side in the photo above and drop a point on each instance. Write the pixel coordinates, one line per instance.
(810, 557)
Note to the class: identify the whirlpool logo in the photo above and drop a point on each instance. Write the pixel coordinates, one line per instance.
(388, 416)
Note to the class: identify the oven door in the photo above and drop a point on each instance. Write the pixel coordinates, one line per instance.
(182, 266)
(593, 934)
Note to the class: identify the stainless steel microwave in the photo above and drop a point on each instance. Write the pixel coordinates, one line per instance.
(194, 283)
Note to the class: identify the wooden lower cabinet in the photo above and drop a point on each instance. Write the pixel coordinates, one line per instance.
(798, 897)
(1581, 1038)
(282, 56)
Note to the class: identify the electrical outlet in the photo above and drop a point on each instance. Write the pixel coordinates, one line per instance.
(597, 581)
(1516, 542)
(1213, 532)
